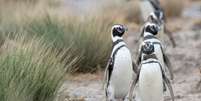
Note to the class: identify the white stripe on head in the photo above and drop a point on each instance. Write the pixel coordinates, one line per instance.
(154, 16)
(149, 24)
(116, 26)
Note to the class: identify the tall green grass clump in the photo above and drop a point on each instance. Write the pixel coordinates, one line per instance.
(90, 37)
(30, 70)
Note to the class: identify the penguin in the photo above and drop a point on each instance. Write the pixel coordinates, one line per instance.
(149, 32)
(120, 69)
(158, 17)
(153, 12)
(150, 77)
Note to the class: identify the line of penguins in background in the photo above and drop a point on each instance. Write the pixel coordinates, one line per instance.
(148, 78)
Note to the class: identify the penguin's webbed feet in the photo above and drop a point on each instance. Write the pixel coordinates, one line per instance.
(127, 98)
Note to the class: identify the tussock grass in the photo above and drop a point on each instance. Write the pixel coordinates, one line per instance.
(197, 24)
(22, 1)
(172, 8)
(132, 12)
(2, 39)
(32, 2)
(39, 47)
(128, 11)
(30, 70)
(90, 37)
(123, 11)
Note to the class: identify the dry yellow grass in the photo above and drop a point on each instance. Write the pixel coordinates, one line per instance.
(58, 26)
(123, 12)
(194, 0)
(197, 24)
(132, 12)
(129, 11)
(172, 8)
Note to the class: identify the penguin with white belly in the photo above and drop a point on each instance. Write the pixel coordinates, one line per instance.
(148, 33)
(120, 69)
(150, 77)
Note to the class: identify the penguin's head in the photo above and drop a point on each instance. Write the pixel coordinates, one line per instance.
(151, 28)
(147, 48)
(118, 30)
(156, 17)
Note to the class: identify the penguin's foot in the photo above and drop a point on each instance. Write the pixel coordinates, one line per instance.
(111, 100)
(129, 99)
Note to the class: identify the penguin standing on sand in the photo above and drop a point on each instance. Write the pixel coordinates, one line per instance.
(149, 31)
(120, 69)
(150, 77)
(153, 12)
(152, 45)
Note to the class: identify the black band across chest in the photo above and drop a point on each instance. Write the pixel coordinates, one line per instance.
(117, 42)
(149, 37)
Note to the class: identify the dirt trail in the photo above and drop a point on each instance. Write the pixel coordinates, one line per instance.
(186, 59)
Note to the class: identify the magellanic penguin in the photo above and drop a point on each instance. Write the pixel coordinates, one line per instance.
(149, 31)
(158, 17)
(150, 77)
(152, 11)
(120, 68)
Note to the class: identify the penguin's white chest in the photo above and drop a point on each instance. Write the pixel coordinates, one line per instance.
(122, 73)
(159, 54)
(150, 83)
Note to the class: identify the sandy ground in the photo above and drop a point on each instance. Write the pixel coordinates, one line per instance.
(186, 60)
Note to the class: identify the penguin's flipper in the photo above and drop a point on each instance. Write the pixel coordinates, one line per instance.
(167, 81)
(132, 87)
(108, 70)
(130, 93)
(107, 74)
(139, 56)
(169, 65)
(135, 69)
(133, 84)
